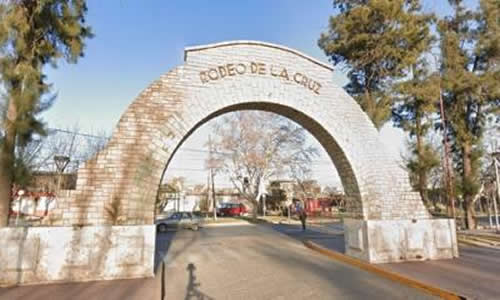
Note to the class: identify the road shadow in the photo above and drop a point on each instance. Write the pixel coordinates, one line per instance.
(192, 290)
(162, 245)
(332, 241)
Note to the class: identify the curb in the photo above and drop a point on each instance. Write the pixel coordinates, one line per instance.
(322, 229)
(226, 224)
(444, 294)
(493, 241)
(475, 243)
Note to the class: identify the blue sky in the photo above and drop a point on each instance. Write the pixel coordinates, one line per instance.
(137, 41)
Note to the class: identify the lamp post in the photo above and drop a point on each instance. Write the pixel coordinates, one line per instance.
(20, 194)
(263, 193)
(289, 201)
(61, 163)
(496, 156)
(246, 185)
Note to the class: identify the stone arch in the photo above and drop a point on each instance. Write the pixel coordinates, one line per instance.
(248, 75)
(119, 185)
(334, 151)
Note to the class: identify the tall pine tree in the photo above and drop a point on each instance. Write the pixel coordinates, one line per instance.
(377, 40)
(33, 33)
(470, 46)
(413, 111)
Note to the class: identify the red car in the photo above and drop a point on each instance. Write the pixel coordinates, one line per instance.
(232, 209)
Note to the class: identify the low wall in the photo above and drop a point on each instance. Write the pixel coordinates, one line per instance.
(383, 241)
(58, 254)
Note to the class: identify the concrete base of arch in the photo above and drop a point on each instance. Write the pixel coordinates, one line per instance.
(34, 255)
(63, 254)
(384, 241)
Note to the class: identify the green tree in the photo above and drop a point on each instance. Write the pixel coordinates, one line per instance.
(470, 46)
(33, 33)
(376, 40)
(413, 111)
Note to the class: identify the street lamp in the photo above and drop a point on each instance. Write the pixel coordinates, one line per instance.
(246, 184)
(61, 164)
(20, 194)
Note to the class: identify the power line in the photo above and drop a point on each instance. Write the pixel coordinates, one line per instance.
(229, 153)
(78, 133)
(186, 169)
(203, 151)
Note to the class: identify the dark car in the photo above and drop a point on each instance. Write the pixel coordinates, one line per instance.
(179, 220)
(232, 209)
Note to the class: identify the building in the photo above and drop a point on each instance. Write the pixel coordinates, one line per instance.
(195, 198)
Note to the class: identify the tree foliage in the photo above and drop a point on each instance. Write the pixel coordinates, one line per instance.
(385, 46)
(376, 40)
(32, 35)
(471, 73)
(252, 147)
(414, 109)
(420, 163)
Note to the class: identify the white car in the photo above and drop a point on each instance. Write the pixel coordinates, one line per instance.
(179, 220)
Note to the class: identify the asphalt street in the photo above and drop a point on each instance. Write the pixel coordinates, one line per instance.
(475, 274)
(256, 262)
(232, 262)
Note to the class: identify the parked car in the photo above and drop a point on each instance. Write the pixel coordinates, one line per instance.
(179, 220)
(232, 209)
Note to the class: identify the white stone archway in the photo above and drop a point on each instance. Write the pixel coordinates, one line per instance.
(388, 220)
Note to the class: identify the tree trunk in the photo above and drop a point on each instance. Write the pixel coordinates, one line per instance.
(5, 191)
(422, 173)
(7, 163)
(422, 187)
(255, 209)
(468, 204)
(470, 221)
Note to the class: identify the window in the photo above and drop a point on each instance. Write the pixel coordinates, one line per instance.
(175, 216)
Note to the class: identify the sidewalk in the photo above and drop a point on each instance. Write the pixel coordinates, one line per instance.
(475, 274)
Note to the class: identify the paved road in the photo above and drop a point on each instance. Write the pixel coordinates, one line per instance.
(237, 262)
(475, 274)
(136, 289)
(256, 262)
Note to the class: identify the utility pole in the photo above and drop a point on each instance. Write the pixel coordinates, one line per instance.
(209, 203)
(446, 157)
(264, 205)
(213, 194)
(447, 167)
(212, 175)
